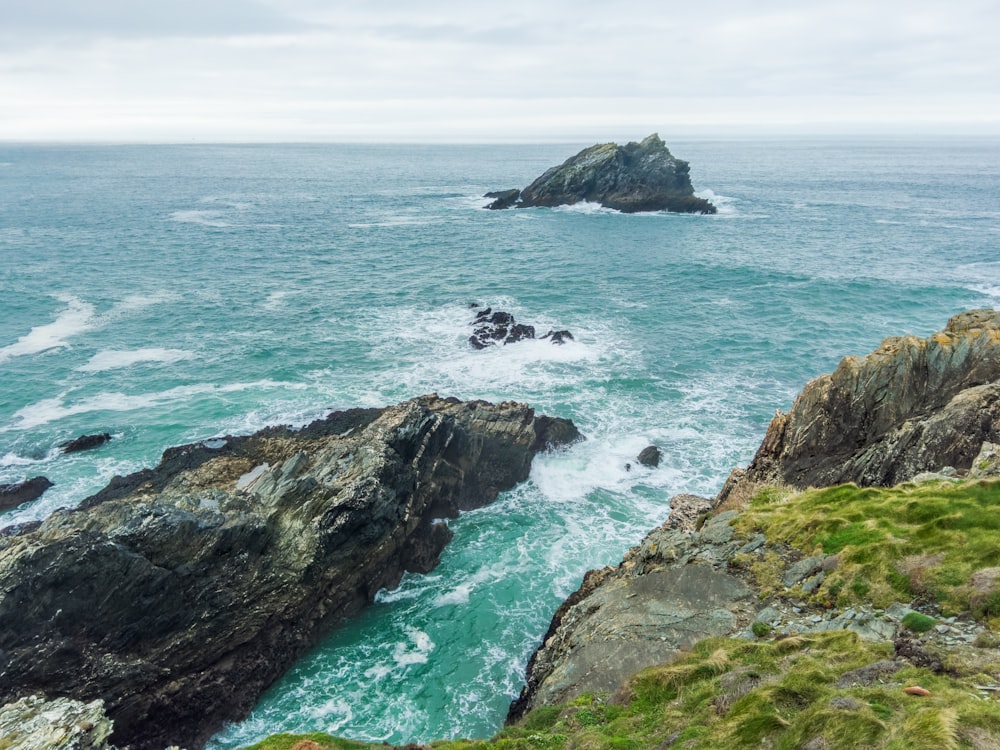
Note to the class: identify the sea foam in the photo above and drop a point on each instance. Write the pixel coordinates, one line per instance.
(113, 359)
(77, 318)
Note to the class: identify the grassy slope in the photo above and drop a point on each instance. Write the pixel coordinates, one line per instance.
(937, 542)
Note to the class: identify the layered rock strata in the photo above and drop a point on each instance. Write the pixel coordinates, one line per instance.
(635, 177)
(176, 595)
(912, 406)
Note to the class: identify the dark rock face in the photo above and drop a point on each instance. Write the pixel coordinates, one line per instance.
(503, 198)
(12, 495)
(180, 593)
(85, 442)
(500, 328)
(649, 456)
(913, 405)
(635, 177)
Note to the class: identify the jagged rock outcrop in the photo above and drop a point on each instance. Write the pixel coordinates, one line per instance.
(641, 176)
(176, 595)
(499, 327)
(913, 405)
(18, 493)
(34, 723)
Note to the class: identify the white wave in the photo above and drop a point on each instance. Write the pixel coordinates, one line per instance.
(585, 207)
(77, 318)
(724, 204)
(204, 218)
(14, 459)
(275, 300)
(113, 359)
(53, 409)
(415, 651)
(989, 290)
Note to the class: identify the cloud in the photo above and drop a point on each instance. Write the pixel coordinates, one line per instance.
(46, 19)
(327, 68)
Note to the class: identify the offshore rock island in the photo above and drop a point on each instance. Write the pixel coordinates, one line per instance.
(635, 177)
(178, 594)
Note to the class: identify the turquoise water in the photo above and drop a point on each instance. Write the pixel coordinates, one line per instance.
(168, 294)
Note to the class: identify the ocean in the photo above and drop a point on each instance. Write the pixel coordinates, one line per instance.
(170, 294)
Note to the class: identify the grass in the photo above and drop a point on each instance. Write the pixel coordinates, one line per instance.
(740, 694)
(939, 541)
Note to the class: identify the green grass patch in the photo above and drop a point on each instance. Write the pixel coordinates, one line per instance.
(918, 623)
(895, 543)
(738, 694)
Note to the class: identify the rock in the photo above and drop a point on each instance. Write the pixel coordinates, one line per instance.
(649, 456)
(18, 493)
(503, 198)
(85, 442)
(178, 594)
(635, 177)
(669, 592)
(986, 463)
(558, 337)
(913, 405)
(500, 327)
(34, 723)
(803, 568)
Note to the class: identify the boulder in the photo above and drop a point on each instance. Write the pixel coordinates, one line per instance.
(178, 594)
(641, 176)
(558, 337)
(85, 442)
(649, 456)
(18, 493)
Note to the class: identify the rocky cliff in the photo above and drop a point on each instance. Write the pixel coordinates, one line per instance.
(176, 595)
(912, 406)
(635, 177)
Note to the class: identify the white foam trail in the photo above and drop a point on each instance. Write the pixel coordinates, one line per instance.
(113, 359)
(724, 204)
(54, 409)
(989, 290)
(585, 207)
(77, 318)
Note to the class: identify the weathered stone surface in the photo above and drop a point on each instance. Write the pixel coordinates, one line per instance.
(986, 463)
(669, 592)
(503, 198)
(641, 176)
(85, 442)
(34, 723)
(176, 595)
(913, 405)
(18, 493)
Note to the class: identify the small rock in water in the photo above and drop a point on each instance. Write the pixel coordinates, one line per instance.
(18, 493)
(649, 456)
(85, 442)
(500, 327)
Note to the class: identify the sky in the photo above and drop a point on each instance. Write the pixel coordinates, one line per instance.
(459, 70)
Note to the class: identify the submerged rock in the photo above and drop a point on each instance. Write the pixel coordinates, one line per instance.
(641, 176)
(18, 493)
(178, 594)
(85, 442)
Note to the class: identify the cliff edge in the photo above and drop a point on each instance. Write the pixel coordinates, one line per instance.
(776, 560)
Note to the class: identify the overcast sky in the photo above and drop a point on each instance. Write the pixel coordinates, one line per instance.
(443, 70)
